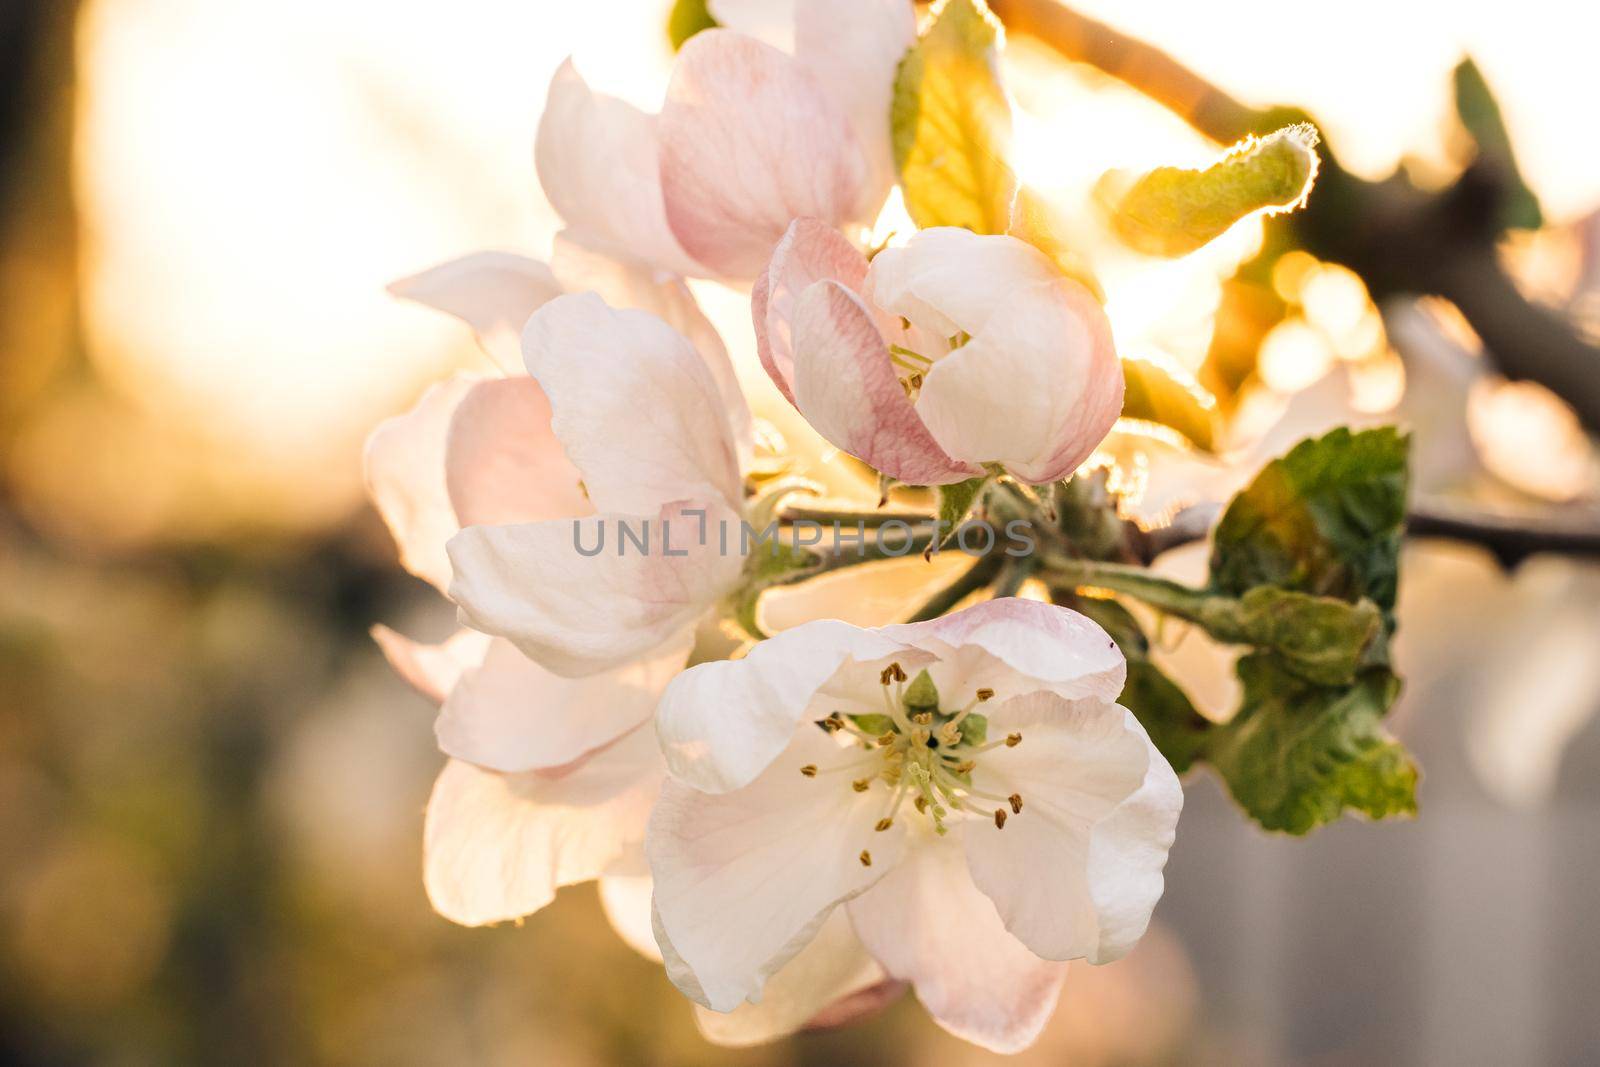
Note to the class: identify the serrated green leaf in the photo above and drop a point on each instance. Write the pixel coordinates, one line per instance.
(1326, 519)
(1171, 211)
(1171, 398)
(1298, 756)
(951, 123)
(955, 504)
(687, 18)
(1479, 113)
(1321, 639)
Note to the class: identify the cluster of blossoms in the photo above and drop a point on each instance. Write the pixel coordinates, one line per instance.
(802, 831)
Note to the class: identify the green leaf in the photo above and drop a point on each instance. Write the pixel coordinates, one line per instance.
(1170, 397)
(1321, 639)
(951, 123)
(1171, 211)
(1326, 519)
(688, 17)
(1479, 113)
(1298, 756)
(955, 504)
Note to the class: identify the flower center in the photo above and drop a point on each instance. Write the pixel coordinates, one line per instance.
(919, 753)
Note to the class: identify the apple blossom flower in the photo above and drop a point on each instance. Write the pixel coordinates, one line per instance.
(748, 138)
(953, 354)
(998, 815)
(539, 791)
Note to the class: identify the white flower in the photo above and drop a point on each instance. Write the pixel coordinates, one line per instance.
(749, 138)
(549, 782)
(952, 353)
(980, 824)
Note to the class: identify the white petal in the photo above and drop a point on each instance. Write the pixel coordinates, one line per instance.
(721, 724)
(634, 285)
(832, 967)
(510, 714)
(1035, 391)
(1077, 872)
(498, 846)
(772, 21)
(432, 670)
(503, 462)
(404, 466)
(599, 164)
(927, 924)
(744, 880)
(750, 142)
(580, 614)
(1016, 646)
(947, 279)
(625, 899)
(493, 292)
(854, 48)
(635, 406)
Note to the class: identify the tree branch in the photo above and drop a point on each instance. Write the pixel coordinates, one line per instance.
(1400, 239)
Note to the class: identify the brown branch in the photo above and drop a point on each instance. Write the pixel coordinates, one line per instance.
(1400, 239)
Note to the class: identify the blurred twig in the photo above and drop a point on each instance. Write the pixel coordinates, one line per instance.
(1399, 238)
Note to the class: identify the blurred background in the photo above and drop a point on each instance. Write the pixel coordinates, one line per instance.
(211, 787)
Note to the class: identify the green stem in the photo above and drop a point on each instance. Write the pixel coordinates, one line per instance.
(974, 578)
(1165, 594)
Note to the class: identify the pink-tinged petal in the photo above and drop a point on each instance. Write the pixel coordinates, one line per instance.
(772, 21)
(625, 899)
(598, 160)
(928, 924)
(750, 142)
(847, 389)
(404, 468)
(1076, 873)
(947, 279)
(1016, 646)
(503, 463)
(493, 292)
(635, 285)
(635, 407)
(810, 251)
(745, 880)
(579, 614)
(1035, 392)
(854, 48)
(432, 670)
(510, 714)
(498, 846)
(722, 724)
(832, 968)
(862, 1004)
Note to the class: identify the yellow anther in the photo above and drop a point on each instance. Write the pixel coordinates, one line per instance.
(923, 718)
(1013, 740)
(892, 673)
(809, 770)
(860, 785)
(985, 694)
(866, 858)
(999, 818)
(886, 739)
(883, 824)
(1016, 803)
(965, 766)
(921, 804)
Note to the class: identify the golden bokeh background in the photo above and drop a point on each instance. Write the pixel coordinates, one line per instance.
(211, 786)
